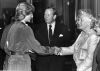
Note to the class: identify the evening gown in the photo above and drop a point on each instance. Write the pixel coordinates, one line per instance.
(82, 47)
(19, 42)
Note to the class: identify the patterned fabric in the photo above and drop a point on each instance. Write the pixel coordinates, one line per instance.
(80, 52)
(82, 56)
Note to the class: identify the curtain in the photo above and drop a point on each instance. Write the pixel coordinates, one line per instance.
(85, 4)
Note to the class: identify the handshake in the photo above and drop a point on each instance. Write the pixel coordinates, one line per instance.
(46, 50)
(53, 50)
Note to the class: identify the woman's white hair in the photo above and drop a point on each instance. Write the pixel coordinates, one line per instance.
(86, 13)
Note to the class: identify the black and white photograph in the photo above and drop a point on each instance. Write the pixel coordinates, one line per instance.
(49, 35)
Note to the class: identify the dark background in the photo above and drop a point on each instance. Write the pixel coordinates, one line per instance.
(66, 14)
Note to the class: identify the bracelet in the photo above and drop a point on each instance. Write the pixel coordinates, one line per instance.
(59, 52)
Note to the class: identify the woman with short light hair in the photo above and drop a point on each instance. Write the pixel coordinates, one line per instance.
(84, 46)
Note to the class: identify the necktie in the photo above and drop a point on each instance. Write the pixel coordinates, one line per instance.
(50, 32)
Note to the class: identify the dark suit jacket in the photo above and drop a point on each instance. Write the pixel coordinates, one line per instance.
(60, 41)
(96, 59)
(52, 61)
(57, 40)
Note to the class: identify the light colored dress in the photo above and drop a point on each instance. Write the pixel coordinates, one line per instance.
(19, 63)
(20, 39)
(83, 51)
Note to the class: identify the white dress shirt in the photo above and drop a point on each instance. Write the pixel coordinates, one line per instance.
(53, 27)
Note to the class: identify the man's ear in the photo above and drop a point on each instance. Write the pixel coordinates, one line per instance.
(55, 16)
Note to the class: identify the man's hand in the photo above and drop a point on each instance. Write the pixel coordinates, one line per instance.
(51, 50)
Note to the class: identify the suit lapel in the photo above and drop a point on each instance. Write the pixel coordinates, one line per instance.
(56, 30)
(97, 48)
(44, 31)
(94, 65)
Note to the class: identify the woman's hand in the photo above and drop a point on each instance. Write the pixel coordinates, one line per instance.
(57, 51)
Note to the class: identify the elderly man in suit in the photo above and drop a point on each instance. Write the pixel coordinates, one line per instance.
(52, 33)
